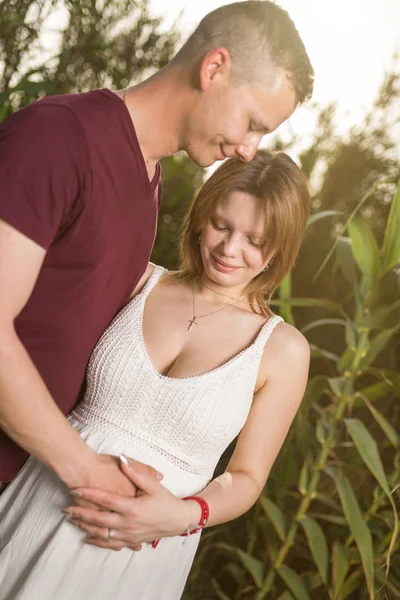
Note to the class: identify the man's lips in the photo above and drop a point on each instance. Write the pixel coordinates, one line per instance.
(222, 266)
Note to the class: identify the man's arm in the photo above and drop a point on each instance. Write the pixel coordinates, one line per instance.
(28, 413)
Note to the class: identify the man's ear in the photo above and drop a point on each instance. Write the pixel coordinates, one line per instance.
(215, 65)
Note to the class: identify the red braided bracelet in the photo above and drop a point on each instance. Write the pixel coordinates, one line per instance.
(205, 513)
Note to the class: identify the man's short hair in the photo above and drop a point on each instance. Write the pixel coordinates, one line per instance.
(259, 35)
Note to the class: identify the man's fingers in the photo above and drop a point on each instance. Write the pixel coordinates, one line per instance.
(140, 477)
(141, 468)
(85, 503)
(105, 500)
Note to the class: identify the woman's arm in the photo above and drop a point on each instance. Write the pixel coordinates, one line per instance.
(158, 513)
(273, 410)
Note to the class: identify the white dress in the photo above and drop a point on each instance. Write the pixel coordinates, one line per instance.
(179, 426)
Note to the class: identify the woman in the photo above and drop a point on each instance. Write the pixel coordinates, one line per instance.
(194, 359)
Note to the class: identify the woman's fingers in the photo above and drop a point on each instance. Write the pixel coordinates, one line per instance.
(94, 517)
(102, 544)
(115, 545)
(99, 536)
(100, 533)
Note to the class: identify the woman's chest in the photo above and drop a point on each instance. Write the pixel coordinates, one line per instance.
(182, 344)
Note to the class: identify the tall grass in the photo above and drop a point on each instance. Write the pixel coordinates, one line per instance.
(326, 526)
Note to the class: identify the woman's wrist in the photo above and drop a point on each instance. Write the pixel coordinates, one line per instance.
(193, 514)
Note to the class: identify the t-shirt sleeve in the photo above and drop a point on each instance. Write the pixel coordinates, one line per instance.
(42, 158)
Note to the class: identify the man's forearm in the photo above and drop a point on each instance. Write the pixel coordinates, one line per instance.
(30, 417)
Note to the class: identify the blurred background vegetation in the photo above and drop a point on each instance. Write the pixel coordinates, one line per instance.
(326, 526)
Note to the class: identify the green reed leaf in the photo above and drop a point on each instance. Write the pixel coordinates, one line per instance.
(318, 546)
(304, 477)
(354, 581)
(285, 294)
(286, 596)
(310, 303)
(384, 317)
(391, 241)
(357, 525)
(294, 583)
(365, 249)
(340, 566)
(376, 346)
(276, 517)
(336, 519)
(369, 452)
(323, 214)
(253, 566)
(390, 432)
(345, 259)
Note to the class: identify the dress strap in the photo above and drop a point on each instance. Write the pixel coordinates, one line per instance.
(267, 329)
(158, 271)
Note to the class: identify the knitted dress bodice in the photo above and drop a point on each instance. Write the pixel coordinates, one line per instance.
(189, 421)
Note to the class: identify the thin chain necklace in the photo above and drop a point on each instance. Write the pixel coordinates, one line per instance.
(231, 297)
(224, 295)
(193, 320)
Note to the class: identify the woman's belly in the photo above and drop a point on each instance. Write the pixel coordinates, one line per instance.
(179, 476)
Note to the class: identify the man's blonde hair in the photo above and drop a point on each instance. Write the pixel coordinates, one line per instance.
(260, 37)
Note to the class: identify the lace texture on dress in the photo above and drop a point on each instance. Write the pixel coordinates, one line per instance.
(190, 421)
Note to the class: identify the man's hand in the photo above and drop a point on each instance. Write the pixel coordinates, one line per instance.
(104, 473)
(154, 513)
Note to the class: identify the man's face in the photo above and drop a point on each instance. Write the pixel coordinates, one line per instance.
(230, 120)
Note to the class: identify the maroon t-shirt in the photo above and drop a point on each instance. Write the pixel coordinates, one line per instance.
(73, 179)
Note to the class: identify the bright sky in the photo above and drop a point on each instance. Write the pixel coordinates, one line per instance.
(351, 44)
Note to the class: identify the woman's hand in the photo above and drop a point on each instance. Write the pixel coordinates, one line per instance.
(153, 514)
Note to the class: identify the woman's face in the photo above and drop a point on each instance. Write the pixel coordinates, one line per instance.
(232, 241)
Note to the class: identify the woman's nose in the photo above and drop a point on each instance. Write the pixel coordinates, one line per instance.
(231, 245)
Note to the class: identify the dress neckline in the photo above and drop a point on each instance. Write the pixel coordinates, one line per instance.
(149, 286)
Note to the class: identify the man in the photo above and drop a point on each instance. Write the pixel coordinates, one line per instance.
(79, 194)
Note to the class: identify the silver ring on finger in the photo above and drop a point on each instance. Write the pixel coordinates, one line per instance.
(111, 535)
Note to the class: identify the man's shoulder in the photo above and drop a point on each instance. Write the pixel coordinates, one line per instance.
(64, 113)
(43, 118)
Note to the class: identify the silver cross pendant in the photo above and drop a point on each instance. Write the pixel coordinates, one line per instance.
(192, 322)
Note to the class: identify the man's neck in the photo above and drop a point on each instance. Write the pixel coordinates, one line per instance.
(157, 109)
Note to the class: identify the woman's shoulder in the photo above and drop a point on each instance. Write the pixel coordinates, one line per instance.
(287, 339)
(286, 350)
(143, 280)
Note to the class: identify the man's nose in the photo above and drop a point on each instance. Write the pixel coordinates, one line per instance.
(249, 147)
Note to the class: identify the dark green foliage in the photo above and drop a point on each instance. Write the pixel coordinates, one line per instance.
(181, 178)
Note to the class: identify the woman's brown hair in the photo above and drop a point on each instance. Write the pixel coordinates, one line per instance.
(273, 177)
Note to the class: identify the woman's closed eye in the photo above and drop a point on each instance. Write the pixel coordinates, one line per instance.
(254, 243)
(218, 227)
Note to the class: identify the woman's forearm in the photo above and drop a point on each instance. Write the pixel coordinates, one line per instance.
(229, 496)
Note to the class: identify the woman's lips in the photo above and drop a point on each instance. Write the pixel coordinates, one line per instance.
(223, 267)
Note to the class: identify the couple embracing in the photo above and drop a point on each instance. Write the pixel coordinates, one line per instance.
(176, 364)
